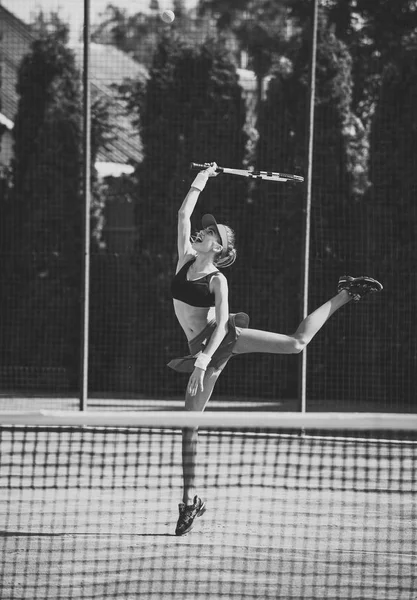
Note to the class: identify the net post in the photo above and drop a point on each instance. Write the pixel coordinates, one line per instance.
(87, 204)
(308, 194)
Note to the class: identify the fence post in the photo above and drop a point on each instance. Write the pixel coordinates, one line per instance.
(308, 192)
(87, 204)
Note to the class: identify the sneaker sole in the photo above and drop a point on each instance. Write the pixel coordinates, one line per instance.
(199, 514)
(378, 287)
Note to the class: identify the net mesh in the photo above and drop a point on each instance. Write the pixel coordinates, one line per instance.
(165, 95)
(295, 509)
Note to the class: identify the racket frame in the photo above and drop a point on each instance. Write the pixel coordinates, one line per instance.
(255, 174)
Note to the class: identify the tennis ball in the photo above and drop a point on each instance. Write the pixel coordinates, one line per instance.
(167, 16)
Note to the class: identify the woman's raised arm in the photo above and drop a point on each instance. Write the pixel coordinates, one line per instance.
(187, 207)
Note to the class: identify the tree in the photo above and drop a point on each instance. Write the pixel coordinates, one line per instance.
(44, 233)
(192, 109)
(134, 34)
(392, 224)
(4, 208)
(259, 26)
(339, 182)
(138, 34)
(3, 171)
(381, 39)
(2, 127)
(154, 6)
(179, 8)
(375, 32)
(44, 237)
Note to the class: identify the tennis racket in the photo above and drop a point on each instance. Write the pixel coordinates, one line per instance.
(265, 175)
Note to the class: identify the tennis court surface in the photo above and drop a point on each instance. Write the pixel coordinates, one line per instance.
(298, 506)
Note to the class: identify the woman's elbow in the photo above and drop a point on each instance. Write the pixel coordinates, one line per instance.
(183, 215)
(223, 324)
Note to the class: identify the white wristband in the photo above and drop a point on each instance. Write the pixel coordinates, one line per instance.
(200, 181)
(202, 361)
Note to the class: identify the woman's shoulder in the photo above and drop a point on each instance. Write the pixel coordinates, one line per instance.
(185, 260)
(218, 280)
(218, 275)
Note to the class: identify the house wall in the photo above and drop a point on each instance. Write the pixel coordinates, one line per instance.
(15, 42)
(6, 150)
(109, 65)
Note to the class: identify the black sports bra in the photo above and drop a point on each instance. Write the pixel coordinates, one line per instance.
(194, 293)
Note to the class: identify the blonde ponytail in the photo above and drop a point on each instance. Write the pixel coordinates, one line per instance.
(230, 256)
(228, 260)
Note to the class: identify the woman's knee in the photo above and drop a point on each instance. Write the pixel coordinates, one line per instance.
(298, 344)
(194, 403)
(199, 401)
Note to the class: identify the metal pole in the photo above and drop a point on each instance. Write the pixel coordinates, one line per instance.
(87, 205)
(308, 193)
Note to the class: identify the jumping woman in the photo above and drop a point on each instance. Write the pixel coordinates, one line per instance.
(200, 296)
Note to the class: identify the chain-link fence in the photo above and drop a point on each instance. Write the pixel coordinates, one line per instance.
(222, 83)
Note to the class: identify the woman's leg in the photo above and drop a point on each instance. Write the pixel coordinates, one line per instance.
(190, 435)
(250, 340)
(253, 340)
(189, 509)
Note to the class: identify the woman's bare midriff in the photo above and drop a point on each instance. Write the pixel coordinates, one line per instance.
(193, 319)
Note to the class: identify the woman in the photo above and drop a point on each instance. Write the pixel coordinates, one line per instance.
(200, 296)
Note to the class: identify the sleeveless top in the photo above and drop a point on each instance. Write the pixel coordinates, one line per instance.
(194, 293)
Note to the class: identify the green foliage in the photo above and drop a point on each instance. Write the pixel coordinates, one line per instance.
(389, 24)
(192, 111)
(259, 27)
(134, 34)
(43, 232)
(47, 167)
(4, 182)
(45, 223)
(376, 33)
(4, 194)
(226, 12)
(115, 288)
(138, 34)
(2, 128)
(338, 157)
(393, 216)
(340, 151)
(104, 117)
(179, 8)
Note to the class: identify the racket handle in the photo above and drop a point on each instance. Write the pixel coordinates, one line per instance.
(201, 166)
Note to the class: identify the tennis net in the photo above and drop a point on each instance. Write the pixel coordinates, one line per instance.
(298, 506)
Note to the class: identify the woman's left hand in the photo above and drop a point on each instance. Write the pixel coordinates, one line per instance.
(211, 170)
(195, 383)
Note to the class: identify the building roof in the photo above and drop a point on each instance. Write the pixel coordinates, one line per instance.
(17, 24)
(125, 145)
(109, 67)
(15, 41)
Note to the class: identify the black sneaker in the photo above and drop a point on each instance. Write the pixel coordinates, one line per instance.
(358, 287)
(188, 514)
